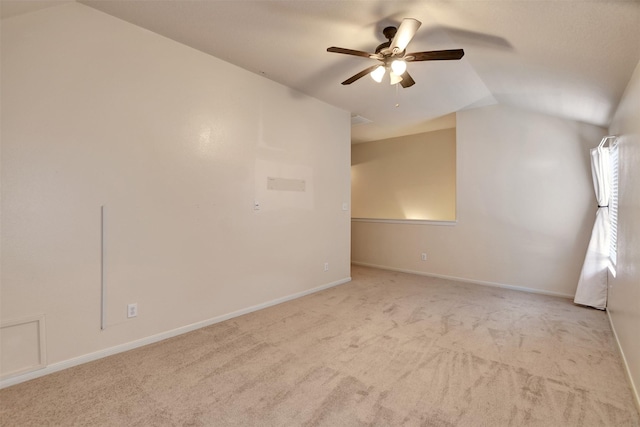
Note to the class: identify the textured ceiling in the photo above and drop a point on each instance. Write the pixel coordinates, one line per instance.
(570, 59)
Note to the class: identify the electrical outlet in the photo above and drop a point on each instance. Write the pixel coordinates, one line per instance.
(326, 266)
(132, 310)
(345, 206)
(256, 205)
(424, 256)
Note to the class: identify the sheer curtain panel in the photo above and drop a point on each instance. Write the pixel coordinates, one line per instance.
(592, 285)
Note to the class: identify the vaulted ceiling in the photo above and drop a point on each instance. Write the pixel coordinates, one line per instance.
(570, 59)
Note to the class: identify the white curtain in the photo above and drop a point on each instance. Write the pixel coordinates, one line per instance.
(592, 285)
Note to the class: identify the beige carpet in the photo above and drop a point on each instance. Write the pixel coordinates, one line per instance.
(387, 349)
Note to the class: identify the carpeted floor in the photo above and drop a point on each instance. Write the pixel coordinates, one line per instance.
(386, 349)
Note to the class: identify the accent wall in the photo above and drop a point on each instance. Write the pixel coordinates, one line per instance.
(408, 177)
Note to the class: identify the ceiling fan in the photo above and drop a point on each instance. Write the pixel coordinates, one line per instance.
(393, 56)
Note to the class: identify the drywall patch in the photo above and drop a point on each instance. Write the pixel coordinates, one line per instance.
(281, 186)
(23, 346)
(284, 184)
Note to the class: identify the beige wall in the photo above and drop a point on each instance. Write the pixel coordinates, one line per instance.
(525, 206)
(177, 145)
(410, 177)
(624, 289)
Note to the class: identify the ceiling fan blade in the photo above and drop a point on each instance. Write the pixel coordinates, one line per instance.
(405, 33)
(407, 80)
(360, 75)
(435, 55)
(353, 52)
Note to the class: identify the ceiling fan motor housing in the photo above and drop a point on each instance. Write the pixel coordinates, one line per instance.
(389, 34)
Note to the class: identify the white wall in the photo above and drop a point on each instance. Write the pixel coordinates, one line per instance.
(525, 206)
(177, 145)
(624, 289)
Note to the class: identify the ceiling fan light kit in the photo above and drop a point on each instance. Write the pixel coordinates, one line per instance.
(393, 56)
(399, 66)
(394, 78)
(378, 73)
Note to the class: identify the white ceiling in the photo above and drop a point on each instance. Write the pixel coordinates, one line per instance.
(570, 59)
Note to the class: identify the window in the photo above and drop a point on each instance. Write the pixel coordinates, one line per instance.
(613, 206)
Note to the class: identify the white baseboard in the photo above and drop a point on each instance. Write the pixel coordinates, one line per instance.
(462, 279)
(59, 366)
(634, 389)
